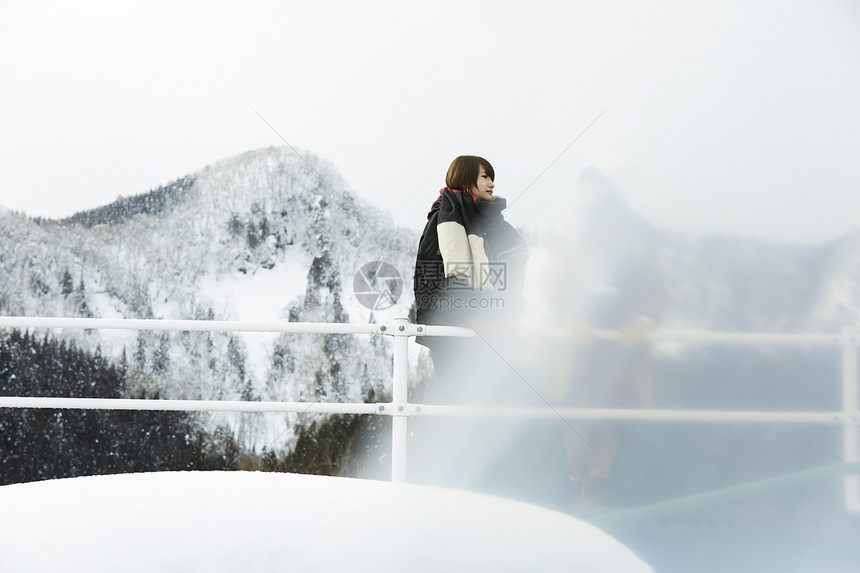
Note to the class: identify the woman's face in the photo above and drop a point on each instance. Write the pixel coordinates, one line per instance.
(484, 187)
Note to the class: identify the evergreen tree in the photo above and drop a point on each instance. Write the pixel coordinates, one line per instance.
(68, 283)
(37, 444)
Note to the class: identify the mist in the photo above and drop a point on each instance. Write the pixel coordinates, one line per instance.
(696, 493)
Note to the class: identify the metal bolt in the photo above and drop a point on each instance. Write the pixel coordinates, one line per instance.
(402, 328)
(420, 329)
(417, 409)
(399, 408)
(383, 328)
(382, 408)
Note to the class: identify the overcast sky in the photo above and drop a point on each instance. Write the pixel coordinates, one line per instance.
(723, 117)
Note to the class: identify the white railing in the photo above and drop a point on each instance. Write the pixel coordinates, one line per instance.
(400, 409)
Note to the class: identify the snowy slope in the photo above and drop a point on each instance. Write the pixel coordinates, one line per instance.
(240, 521)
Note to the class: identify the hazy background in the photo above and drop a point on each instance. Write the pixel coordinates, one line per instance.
(734, 117)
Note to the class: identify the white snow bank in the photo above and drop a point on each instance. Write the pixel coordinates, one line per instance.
(244, 521)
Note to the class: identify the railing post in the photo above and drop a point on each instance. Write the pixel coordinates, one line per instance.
(851, 405)
(400, 400)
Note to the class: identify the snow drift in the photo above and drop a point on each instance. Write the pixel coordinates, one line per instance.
(243, 521)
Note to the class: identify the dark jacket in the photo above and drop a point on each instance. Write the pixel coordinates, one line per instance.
(469, 259)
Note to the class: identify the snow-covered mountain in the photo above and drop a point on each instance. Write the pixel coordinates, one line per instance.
(268, 235)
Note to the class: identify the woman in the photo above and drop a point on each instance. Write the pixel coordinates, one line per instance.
(469, 272)
(470, 261)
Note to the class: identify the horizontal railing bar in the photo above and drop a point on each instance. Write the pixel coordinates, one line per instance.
(195, 325)
(707, 337)
(189, 405)
(224, 326)
(750, 338)
(437, 330)
(425, 330)
(731, 337)
(664, 415)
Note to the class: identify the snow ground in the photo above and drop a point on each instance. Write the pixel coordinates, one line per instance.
(246, 521)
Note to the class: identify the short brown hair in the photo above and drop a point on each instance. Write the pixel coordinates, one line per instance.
(463, 172)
